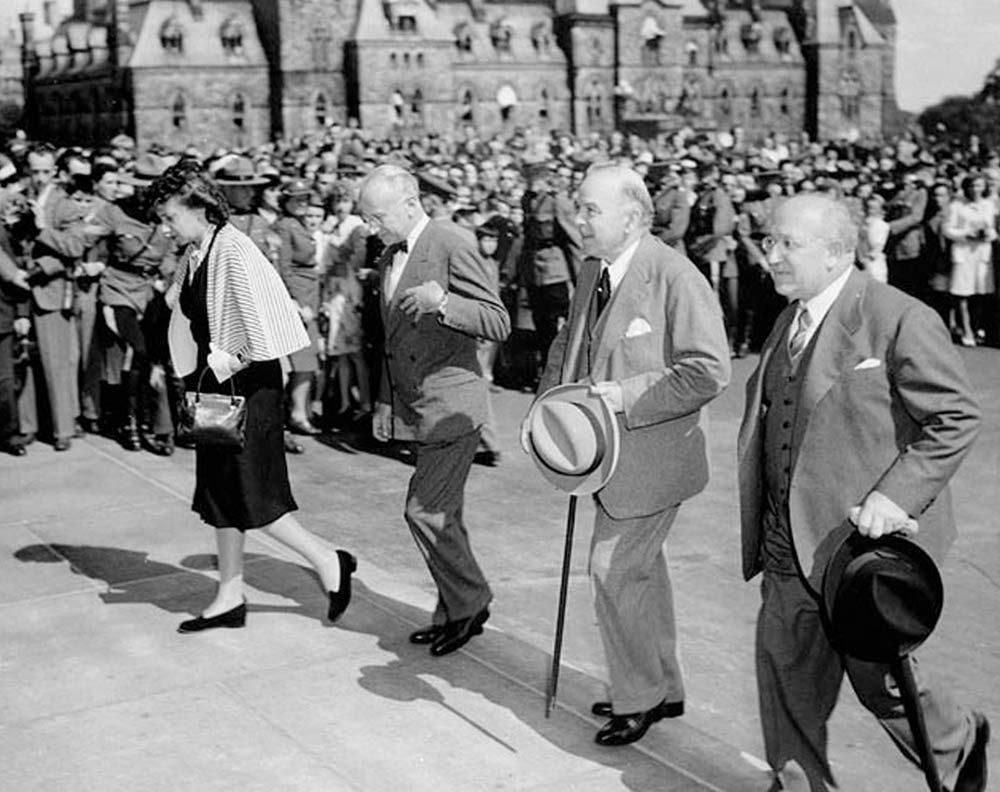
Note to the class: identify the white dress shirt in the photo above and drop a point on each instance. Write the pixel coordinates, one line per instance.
(819, 306)
(400, 259)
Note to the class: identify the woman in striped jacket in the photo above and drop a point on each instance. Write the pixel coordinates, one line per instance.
(232, 320)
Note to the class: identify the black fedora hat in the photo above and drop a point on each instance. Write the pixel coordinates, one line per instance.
(881, 597)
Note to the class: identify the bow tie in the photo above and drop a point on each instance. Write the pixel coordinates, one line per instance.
(399, 247)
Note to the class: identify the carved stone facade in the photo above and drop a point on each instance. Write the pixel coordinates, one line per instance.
(417, 66)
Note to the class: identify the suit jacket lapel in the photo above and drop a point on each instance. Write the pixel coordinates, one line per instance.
(578, 330)
(624, 306)
(411, 276)
(831, 346)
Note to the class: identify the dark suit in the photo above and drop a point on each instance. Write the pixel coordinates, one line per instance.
(879, 401)
(432, 380)
(905, 213)
(661, 337)
(671, 215)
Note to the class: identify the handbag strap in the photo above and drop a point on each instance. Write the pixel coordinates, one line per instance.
(232, 388)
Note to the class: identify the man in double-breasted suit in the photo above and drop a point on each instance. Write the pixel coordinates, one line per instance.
(857, 416)
(438, 297)
(646, 329)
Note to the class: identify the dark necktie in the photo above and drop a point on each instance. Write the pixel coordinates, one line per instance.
(603, 293)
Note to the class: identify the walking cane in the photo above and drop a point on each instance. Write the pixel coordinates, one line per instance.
(553, 681)
(903, 672)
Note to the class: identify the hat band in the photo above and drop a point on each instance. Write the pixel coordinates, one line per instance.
(599, 451)
(239, 178)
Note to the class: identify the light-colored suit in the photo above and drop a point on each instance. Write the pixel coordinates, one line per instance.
(53, 256)
(432, 380)
(661, 338)
(884, 405)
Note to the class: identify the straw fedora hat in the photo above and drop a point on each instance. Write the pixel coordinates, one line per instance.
(881, 597)
(235, 170)
(574, 438)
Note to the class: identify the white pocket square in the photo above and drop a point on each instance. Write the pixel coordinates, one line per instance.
(870, 363)
(638, 327)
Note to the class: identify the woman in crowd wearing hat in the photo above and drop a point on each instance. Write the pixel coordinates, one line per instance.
(231, 323)
(138, 253)
(343, 298)
(297, 265)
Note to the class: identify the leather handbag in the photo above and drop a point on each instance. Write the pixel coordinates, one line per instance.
(215, 419)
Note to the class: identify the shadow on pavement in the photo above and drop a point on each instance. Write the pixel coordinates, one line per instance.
(500, 668)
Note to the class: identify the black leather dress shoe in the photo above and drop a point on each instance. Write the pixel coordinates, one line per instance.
(972, 776)
(426, 635)
(454, 635)
(625, 729)
(339, 600)
(237, 617)
(668, 709)
(14, 449)
(61, 444)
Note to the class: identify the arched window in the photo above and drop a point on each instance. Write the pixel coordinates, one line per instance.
(755, 102)
(507, 100)
(783, 42)
(406, 60)
(500, 35)
(178, 111)
(852, 42)
(420, 60)
(849, 89)
(595, 104)
(726, 101)
(541, 37)
(417, 103)
(393, 60)
(172, 36)
(785, 101)
(232, 36)
(691, 48)
(543, 104)
(239, 111)
(468, 106)
(321, 109)
(463, 37)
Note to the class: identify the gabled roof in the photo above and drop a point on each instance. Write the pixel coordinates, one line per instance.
(831, 16)
(373, 25)
(202, 36)
(880, 12)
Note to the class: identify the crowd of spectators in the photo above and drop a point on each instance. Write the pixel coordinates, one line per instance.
(84, 265)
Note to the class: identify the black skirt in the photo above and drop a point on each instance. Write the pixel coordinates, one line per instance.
(246, 488)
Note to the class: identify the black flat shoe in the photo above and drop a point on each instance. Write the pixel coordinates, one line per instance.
(339, 600)
(668, 709)
(14, 449)
(454, 635)
(426, 635)
(625, 729)
(237, 617)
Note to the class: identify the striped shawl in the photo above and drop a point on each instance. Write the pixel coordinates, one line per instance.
(250, 314)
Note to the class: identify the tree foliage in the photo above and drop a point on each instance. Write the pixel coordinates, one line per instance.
(956, 119)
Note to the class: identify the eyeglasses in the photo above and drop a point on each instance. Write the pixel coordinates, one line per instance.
(787, 243)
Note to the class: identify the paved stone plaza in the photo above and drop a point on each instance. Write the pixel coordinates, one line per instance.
(100, 558)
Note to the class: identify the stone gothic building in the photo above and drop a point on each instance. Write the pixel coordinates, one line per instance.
(240, 72)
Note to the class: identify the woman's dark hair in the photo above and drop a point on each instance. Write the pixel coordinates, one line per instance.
(188, 182)
(967, 183)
